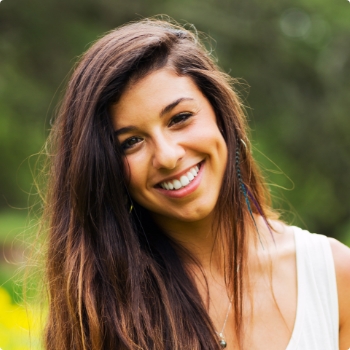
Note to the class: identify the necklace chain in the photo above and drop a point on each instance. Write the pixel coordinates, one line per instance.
(222, 340)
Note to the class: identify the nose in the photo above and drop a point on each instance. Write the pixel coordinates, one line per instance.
(167, 152)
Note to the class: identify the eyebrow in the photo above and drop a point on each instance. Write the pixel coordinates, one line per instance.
(164, 111)
(172, 105)
(124, 130)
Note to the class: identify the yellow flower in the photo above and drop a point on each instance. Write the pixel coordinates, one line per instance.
(20, 327)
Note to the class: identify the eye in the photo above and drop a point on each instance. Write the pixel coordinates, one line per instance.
(180, 118)
(131, 142)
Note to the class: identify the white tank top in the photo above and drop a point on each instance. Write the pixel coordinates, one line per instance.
(317, 319)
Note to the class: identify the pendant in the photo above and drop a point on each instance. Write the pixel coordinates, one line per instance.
(223, 343)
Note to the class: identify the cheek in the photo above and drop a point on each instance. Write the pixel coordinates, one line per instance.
(127, 170)
(136, 172)
(136, 189)
(210, 139)
(221, 157)
(222, 147)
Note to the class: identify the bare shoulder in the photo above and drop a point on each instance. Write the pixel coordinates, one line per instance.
(283, 236)
(276, 245)
(341, 256)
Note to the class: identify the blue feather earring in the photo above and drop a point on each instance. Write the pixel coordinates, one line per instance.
(242, 187)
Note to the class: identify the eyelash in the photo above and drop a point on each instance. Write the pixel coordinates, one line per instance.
(125, 145)
(182, 116)
(177, 119)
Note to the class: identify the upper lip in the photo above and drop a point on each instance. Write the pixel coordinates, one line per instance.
(179, 174)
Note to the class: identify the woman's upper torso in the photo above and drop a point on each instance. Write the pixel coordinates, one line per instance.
(294, 293)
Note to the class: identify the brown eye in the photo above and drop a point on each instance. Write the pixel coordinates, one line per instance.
(180, 118)
(130, 142)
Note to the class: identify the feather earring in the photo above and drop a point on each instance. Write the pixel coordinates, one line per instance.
(242, 187)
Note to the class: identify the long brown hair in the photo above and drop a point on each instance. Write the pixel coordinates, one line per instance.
(114, 279)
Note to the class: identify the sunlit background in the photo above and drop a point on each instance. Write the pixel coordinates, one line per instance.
(293, 61)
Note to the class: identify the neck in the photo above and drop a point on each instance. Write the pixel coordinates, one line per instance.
(199, 238)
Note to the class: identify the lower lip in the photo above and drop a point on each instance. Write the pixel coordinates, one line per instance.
(184, 191)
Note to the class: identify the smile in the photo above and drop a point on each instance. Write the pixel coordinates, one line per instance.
(183, 181)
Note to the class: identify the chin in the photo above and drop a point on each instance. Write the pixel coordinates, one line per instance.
(189, 215)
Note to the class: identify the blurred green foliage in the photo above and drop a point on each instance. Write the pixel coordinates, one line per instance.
(293, 58)
(294, 55)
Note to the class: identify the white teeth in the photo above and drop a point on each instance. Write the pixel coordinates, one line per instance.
(177, 184)
(190, 176)
(182, 182)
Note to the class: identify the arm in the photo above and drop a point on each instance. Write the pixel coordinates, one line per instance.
(341, 256)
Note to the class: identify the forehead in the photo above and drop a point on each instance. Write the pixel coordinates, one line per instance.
(152, 93)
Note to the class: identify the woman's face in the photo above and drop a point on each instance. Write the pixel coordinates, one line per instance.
(173, 148)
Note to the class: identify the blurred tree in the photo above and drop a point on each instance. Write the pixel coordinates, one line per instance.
(295, 55)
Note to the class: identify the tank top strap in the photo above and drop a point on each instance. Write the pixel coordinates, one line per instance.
(317, 318)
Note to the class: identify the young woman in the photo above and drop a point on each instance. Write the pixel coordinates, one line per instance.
(161, 234)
